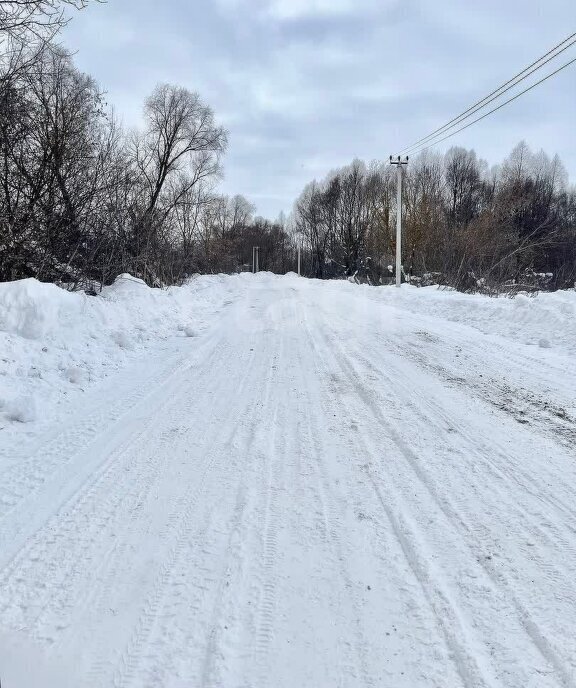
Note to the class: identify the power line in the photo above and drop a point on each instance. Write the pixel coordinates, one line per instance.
(469, 124)
(498, 92)
(521, 76)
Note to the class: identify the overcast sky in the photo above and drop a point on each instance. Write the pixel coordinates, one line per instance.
(304, 86)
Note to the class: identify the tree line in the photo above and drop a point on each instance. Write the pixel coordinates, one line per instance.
(464, 224)
(82, 199)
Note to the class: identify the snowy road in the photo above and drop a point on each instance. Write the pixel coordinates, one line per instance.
(318, 491)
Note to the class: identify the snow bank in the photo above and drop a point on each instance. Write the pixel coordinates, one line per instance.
(545, 320)
(53, 343)
(31, 309)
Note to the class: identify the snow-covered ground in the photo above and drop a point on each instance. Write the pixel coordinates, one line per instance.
(277, 482)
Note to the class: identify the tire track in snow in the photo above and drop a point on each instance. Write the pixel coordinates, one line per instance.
(333, 527)
(180, 526)
(267, 602)
(29, 471)
(95, 462)
(211, 572)
(467, 668)
(459, 524)
(66, 484)
(557, 571)
(526, 406)
(217, 660)
(483, 453)
(522, 361)
(47, 545)
(121, 526)
(471, 673)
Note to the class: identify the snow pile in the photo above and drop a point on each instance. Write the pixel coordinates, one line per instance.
(31, 309)
(547, 320)
(53, 343)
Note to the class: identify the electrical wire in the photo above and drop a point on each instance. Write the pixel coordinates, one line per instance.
(497, 93)
(469, 124)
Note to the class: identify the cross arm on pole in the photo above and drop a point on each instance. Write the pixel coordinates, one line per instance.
(398, 160)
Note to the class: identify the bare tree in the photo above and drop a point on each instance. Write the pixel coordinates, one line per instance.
(180, 136)
(463, 178)
(179, 149)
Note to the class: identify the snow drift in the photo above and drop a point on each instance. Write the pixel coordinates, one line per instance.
(547, 319)
(54, 343)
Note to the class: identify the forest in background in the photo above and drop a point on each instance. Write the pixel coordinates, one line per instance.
(464, 224)
(83, 200)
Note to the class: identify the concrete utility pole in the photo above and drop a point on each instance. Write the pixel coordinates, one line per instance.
(298, 260)
(399, 162)
(255, 257)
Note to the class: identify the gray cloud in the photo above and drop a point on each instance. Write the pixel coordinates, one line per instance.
(305, 85)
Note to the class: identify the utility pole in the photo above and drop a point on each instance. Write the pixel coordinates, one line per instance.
(399, 162)
(255, 259)
(298, 260)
